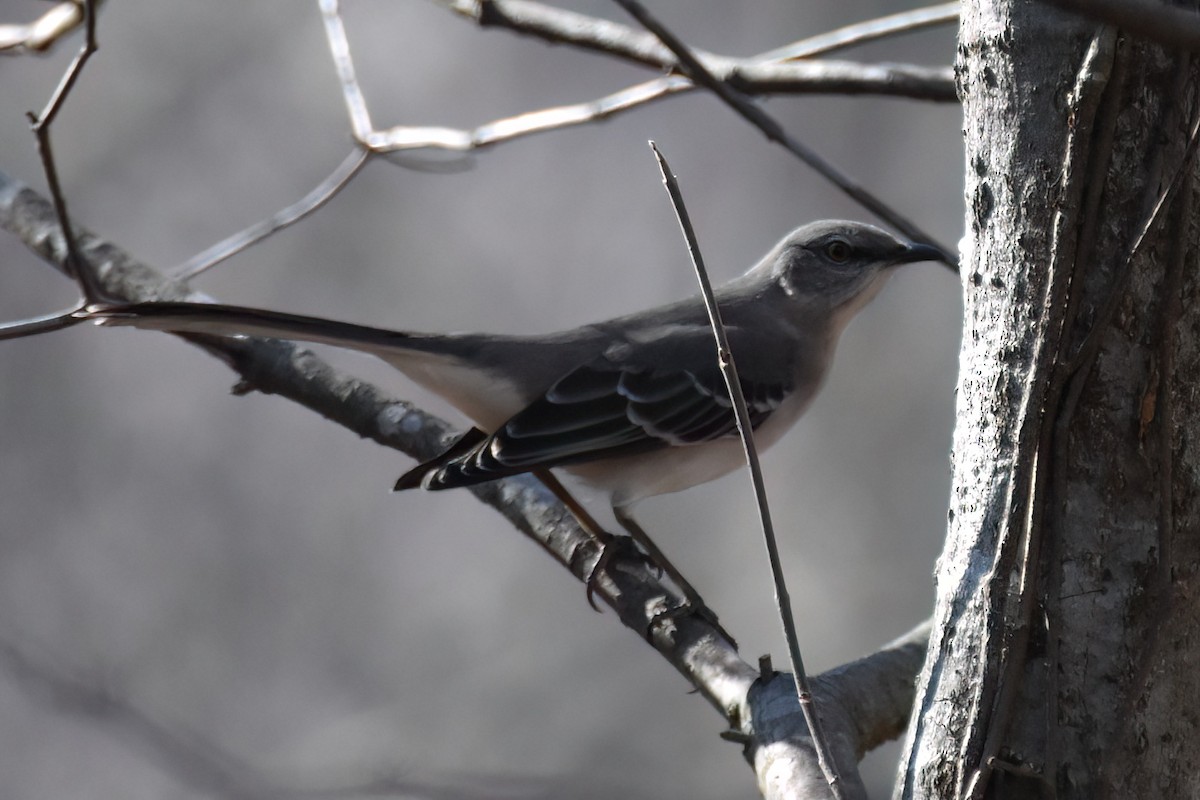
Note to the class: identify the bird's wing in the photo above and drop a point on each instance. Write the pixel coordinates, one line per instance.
(604, 410)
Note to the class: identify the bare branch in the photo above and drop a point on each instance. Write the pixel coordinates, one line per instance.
(863, 704)
(871, 30)
(879, 687)
(339, 47)
(763, 74)
(775, 132)
(845, 77)
(38, 325)
(44, 32)
(41, 128)
(321, 194)
(201, 763)
(557, 26)
(1166, 24)
(755, 75)
(188, 757)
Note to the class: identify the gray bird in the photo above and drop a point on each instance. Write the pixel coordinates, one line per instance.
(635, 406)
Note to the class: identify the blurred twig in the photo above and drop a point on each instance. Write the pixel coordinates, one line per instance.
(321, 194)
(189, 757)
(201, 763)
(44, 32)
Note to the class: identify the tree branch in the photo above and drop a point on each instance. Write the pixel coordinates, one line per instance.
(556, 26)
(862, 704)
(43, 33)
(764, 74)
(828, 76)
(1150, 19)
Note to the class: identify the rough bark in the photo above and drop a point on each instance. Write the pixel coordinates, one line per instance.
(1063, 655)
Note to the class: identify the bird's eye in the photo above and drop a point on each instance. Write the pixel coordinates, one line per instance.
(837, 251)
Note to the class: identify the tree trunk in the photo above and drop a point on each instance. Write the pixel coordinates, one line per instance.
(1063, 659)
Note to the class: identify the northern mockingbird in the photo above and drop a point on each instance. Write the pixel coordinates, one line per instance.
(635, 406)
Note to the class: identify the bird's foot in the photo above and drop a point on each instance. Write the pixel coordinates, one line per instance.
(616, 548)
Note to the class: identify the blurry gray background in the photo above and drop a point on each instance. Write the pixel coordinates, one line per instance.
(236, 566)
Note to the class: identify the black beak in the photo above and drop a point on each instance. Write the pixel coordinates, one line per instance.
(927, 252)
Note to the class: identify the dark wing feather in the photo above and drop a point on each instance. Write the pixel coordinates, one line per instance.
(602, 411)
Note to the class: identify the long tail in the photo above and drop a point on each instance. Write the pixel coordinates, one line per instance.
(225, 320)
(455, 366)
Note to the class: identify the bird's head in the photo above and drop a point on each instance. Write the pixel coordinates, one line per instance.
(839, 266)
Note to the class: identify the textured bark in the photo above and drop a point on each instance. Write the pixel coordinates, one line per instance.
(1064, 650)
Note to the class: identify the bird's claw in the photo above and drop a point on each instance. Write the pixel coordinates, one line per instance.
(615, 548)
(624, 547)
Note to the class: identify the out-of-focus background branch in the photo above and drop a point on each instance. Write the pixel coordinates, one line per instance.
(178, 537)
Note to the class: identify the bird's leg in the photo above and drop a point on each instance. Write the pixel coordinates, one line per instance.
(615, 546)
(611, 546)
(693, 603)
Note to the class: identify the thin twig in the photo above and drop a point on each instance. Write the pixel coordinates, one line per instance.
(755, 74)
(41, 129)
(190, 758)
(812, 78)
(775, 132)
(321, 194)
(200, 763)
(762, 74)
(558, 26)
(745, 429)
(339, 47)
(871, 30)
(620, 41)
(35, 326)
